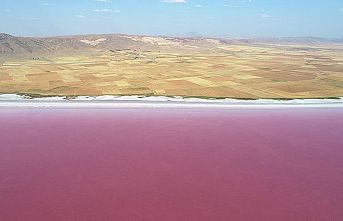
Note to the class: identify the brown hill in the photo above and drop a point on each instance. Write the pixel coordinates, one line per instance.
(28, 46)
(11, 46)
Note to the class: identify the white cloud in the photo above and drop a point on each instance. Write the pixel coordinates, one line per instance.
(48, 4)
(104, 10)
(103, 0)
(239, 4)
(266, 15)
(79, 16)
(174, 1)
(199, 6)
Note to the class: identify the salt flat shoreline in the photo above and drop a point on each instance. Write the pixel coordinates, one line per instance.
(112, 102)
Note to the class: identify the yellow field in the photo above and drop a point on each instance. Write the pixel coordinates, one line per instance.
(235, 71)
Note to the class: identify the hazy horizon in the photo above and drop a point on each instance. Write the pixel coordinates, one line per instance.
(176, 36)
(218, 18)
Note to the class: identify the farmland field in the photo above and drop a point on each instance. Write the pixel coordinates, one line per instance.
(222, 71)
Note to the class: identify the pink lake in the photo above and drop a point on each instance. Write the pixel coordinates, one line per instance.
(171, 165)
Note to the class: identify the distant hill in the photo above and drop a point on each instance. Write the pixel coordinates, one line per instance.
(22, 46)
(28, 46)
(301, 40)
(11, 46)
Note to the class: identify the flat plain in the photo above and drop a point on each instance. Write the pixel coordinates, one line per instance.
(206, 68)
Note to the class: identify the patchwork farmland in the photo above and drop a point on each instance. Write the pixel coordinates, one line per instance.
(171, 68)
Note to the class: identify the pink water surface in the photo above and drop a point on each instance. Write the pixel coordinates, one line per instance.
(171, 165)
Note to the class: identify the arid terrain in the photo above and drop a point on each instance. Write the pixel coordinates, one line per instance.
(191, 67)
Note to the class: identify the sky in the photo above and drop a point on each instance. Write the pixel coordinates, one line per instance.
(215, 18)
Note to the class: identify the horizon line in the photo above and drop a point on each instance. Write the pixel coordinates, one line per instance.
(176, 36)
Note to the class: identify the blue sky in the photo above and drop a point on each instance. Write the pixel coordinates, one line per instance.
(232, 18)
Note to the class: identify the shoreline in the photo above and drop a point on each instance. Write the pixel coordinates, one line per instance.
(8, 101)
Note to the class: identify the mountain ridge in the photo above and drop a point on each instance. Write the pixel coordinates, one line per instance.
(14, 46)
